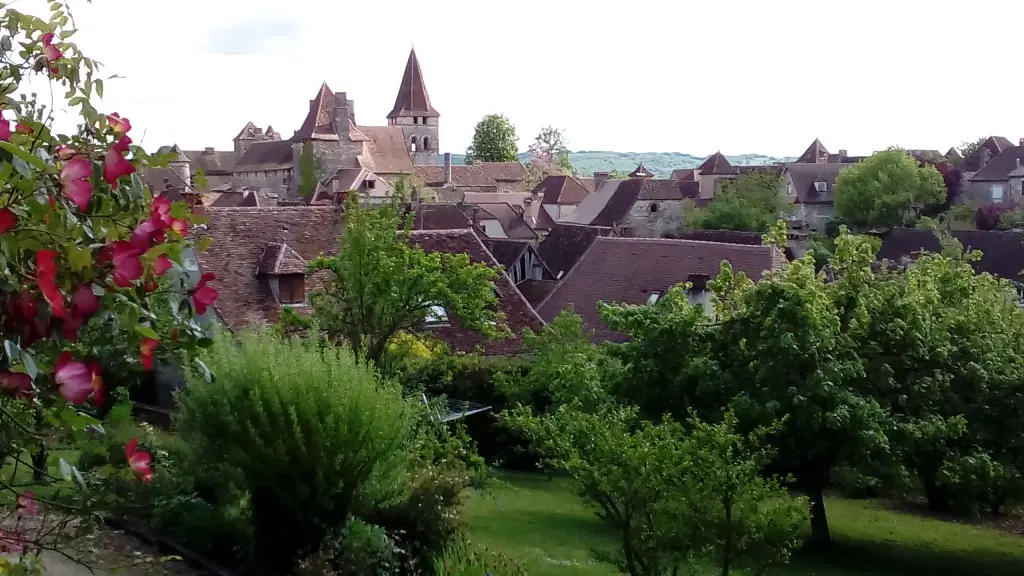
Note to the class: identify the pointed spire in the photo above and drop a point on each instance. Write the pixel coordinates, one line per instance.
(640, 172)
(814, 154)
(320, 119)
(248, 131)
(179, 154)
(412, 99)
(716, 164)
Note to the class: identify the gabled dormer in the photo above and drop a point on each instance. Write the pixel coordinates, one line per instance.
(283, 273)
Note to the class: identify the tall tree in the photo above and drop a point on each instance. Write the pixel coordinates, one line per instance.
(967, 148)
(880, 191)
(750, 203)
(310, 170)
(380, 285)
(549, 153)
(494, 140)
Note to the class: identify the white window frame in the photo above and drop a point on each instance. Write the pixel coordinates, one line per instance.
(821, 186)
(653, 297)
(998, 192)
(436, 316)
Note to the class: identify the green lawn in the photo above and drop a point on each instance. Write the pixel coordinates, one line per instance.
(545, 525)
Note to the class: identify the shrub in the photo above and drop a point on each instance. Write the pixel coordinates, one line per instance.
(462, 559)
(304, 426)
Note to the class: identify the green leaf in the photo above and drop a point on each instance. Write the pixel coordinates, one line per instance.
(30, 364)
(23, 154)
(99, 87)
(207, 375)
(147, 331)
(13, 350)
(79, 257)
(65, 469)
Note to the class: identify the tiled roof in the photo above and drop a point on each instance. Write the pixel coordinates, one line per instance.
(279, 258)
(953, 155)
(506, 251)
(263, 156)
(563, 190)
(540, 219)
(1002, 251)
(627, 270)
(239, 238)
(478, 175)
(716, 164)
(519, 315)
(211, 162)
(535, 291)
(1000, 166)
(815, 153)
(684, 174)
(993, 144)
(641, 172)
(233, 199)
(431, 216)
(731, 237)
(388, 153)
(412, 99)
(564, 245)
(512, 222)
(805, 175)
(659, 189)
(611, 202)
(319, 121)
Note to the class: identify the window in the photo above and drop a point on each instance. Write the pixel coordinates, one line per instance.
(654, 207)
(821, 186)
(415, 119)
(423, 119)
(436, 316)
(426, 143)
(412, 144)
(997, 192)
(371, 184)
(292, 289)
(653, 297)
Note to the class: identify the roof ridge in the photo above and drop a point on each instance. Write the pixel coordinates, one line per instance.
(568, 273)
(495, 262)
(616, 239)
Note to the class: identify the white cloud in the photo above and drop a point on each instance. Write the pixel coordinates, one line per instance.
(740, 75)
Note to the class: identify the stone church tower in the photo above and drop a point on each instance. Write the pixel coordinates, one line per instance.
(418, 119)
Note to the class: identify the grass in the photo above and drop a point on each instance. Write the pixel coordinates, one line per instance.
(545, 525)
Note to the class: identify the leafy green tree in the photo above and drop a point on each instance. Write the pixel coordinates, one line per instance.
(967, 148)
(379, 285)
(494, 140)
(880, 191)
(750, 203)
(310, 170)
(675, 494)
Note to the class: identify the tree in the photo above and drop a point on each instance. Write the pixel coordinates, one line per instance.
(749, 203)
(549, 153)
(675, 494)
(93, 269)
(310, 170)
(380, 285)
(880, 191)
(967, 148)
(494, 140)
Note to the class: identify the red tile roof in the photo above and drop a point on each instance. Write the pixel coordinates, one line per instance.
(412, 99)
(519, 315)
(566, 243)
(562, 190)
(478, 175)
(627, 270)
(388, 152)
(641, 172)
(279, 258)
(240, 237)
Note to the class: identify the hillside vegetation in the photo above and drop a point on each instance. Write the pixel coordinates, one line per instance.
(587, 162)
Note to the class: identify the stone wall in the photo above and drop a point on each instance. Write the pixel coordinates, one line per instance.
(654, 218)
(276, 181)
(815, 215)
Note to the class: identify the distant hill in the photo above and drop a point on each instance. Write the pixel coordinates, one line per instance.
(661, 164)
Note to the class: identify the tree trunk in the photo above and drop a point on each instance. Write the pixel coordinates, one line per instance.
(820, 535)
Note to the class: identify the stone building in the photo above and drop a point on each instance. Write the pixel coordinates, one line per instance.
(346, 155)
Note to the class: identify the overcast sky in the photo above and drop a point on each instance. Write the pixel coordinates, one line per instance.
(740, 76)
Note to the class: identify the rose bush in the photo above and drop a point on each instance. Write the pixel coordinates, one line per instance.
(94, 271)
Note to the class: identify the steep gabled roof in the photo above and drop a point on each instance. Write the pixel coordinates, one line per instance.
(412, 99)
(562, 190)
(319, 122)
(804, 175)
(999, 167)
(518, 313)
(953, 155)
(269, 155)
(992, 147)
(248, 131)
(628, 270)
(279, 258)
(566, 243)
(641, 172)
(815, 153)
(716, 164)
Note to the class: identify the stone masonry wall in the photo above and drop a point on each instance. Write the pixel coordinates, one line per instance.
(667, 218)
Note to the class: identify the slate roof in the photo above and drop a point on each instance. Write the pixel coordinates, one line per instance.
(627, 270)
(412, 99)
(279, 258)
(684, 174)
(1002, 251)
(717, 163)
(804, 176)
(264, 156)
(731, 237)
(519, 315)
(388, 153)
(814, 153)
(561, 190)
(566, 243)
(319, 121)
(431, 216)
(611, 202)
(512, 222)
(535, 291)
(240, 237)
(999, 167)
(479, 174)
(211, 162)
(975, 161)
(232, 199)
(505, 250)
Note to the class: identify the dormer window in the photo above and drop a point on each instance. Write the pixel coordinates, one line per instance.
(653, 298)
(436, 316)
(292, 289)
(821, 186)
(371, 184)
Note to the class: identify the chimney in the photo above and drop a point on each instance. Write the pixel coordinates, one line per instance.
(599, 178)
(1022, 141)
(208, 150)
(1018, 163)
(843, 153)
(447, 167)
(476, 216)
